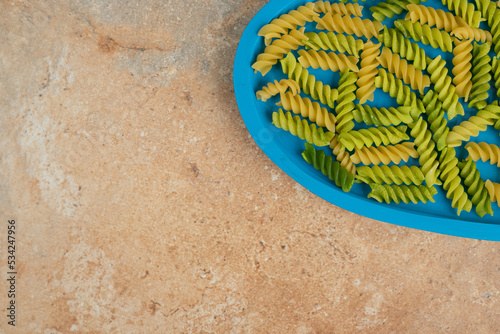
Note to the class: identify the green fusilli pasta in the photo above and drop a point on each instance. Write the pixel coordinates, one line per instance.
(405, 194)
(333, 42)
(475, 187)
(301, 128)
(426, 151)
(390, 175)
(389, 8)
(332, 169)
(434, 37)
(481, 76)
(373, 136)
(363, 113)
(465, 10)
(435, 117)
(345, 103)
(495, 68)
(398, 43)
(473, 126)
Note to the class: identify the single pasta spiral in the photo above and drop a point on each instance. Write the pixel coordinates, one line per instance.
(433, 17)
(461, 68)
(384, 154)
(345, 103)
(449, 174)
(276, 88)
(327, 61)
(334, 42)
(373, 136)
(435, 117)
(301, 128)
(288, 21)
(473, 125)
(398, 43)
(465, 10)
(443, 86)
(390, 175)
(342, 155)
(389, 8)
(425, 34)
(475, 187)
(481, 68)
(467, 32)
(308, 83)
(426, 150)
(487, 9)
(495, 68)
(368, 71)
(493, 190)
(349, 25)
(312, 110)
(484, 151)
(277, 49)
(332, 169)
(375, 116)
(333, 8)
(406, 194)
(400, 67)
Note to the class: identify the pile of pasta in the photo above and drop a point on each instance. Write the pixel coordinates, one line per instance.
(368, 56)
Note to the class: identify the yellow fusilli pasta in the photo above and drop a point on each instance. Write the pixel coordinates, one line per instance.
(400, 67)
(384, 154)
(327, 61)
(433, 17)
(312, 110)
(485, 152)
(276, 88)
(493, 190)
(288, 21)
(349, 25)
(277, 49)
(368, 71)
(462, 68)
(342, 155)
(325, 7)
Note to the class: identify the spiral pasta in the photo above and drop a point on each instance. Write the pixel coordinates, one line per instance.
(475, 187)
(443, 86)
(461, 68)
(334, 42)
(450, 175)
(465, 10)
(373, 136)
(424, 33)
(332, 169)
(467, 32)
(390, 175)
(405, 194)
(342, 155)
(389, 8)
(397, 42)
(481, 68)
(400, 67)
(277, 49)
(484, 151)
(345, 103)
(344, 9)
(375, 116)
(426, 150)
(308, 83)
(288, 21)
(433, 17)
(384, 154)
(368, 71)
(301, 128)
(309, 109)
(495, 68)
(396, 89)
(487, 9)
(436, 119)
(492, 14)
(277, 87)
(349, 25)
(327, 61)
(473, 125)
(493, 190)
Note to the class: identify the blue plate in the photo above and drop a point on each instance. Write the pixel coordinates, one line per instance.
(285, 150)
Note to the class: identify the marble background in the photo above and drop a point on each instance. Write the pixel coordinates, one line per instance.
(144, 206)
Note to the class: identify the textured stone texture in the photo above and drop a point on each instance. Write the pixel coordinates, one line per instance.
(143, 205)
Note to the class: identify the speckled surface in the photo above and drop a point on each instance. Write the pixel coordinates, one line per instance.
(143, 205)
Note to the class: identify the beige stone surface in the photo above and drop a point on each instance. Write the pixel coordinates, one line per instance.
(143, 205)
